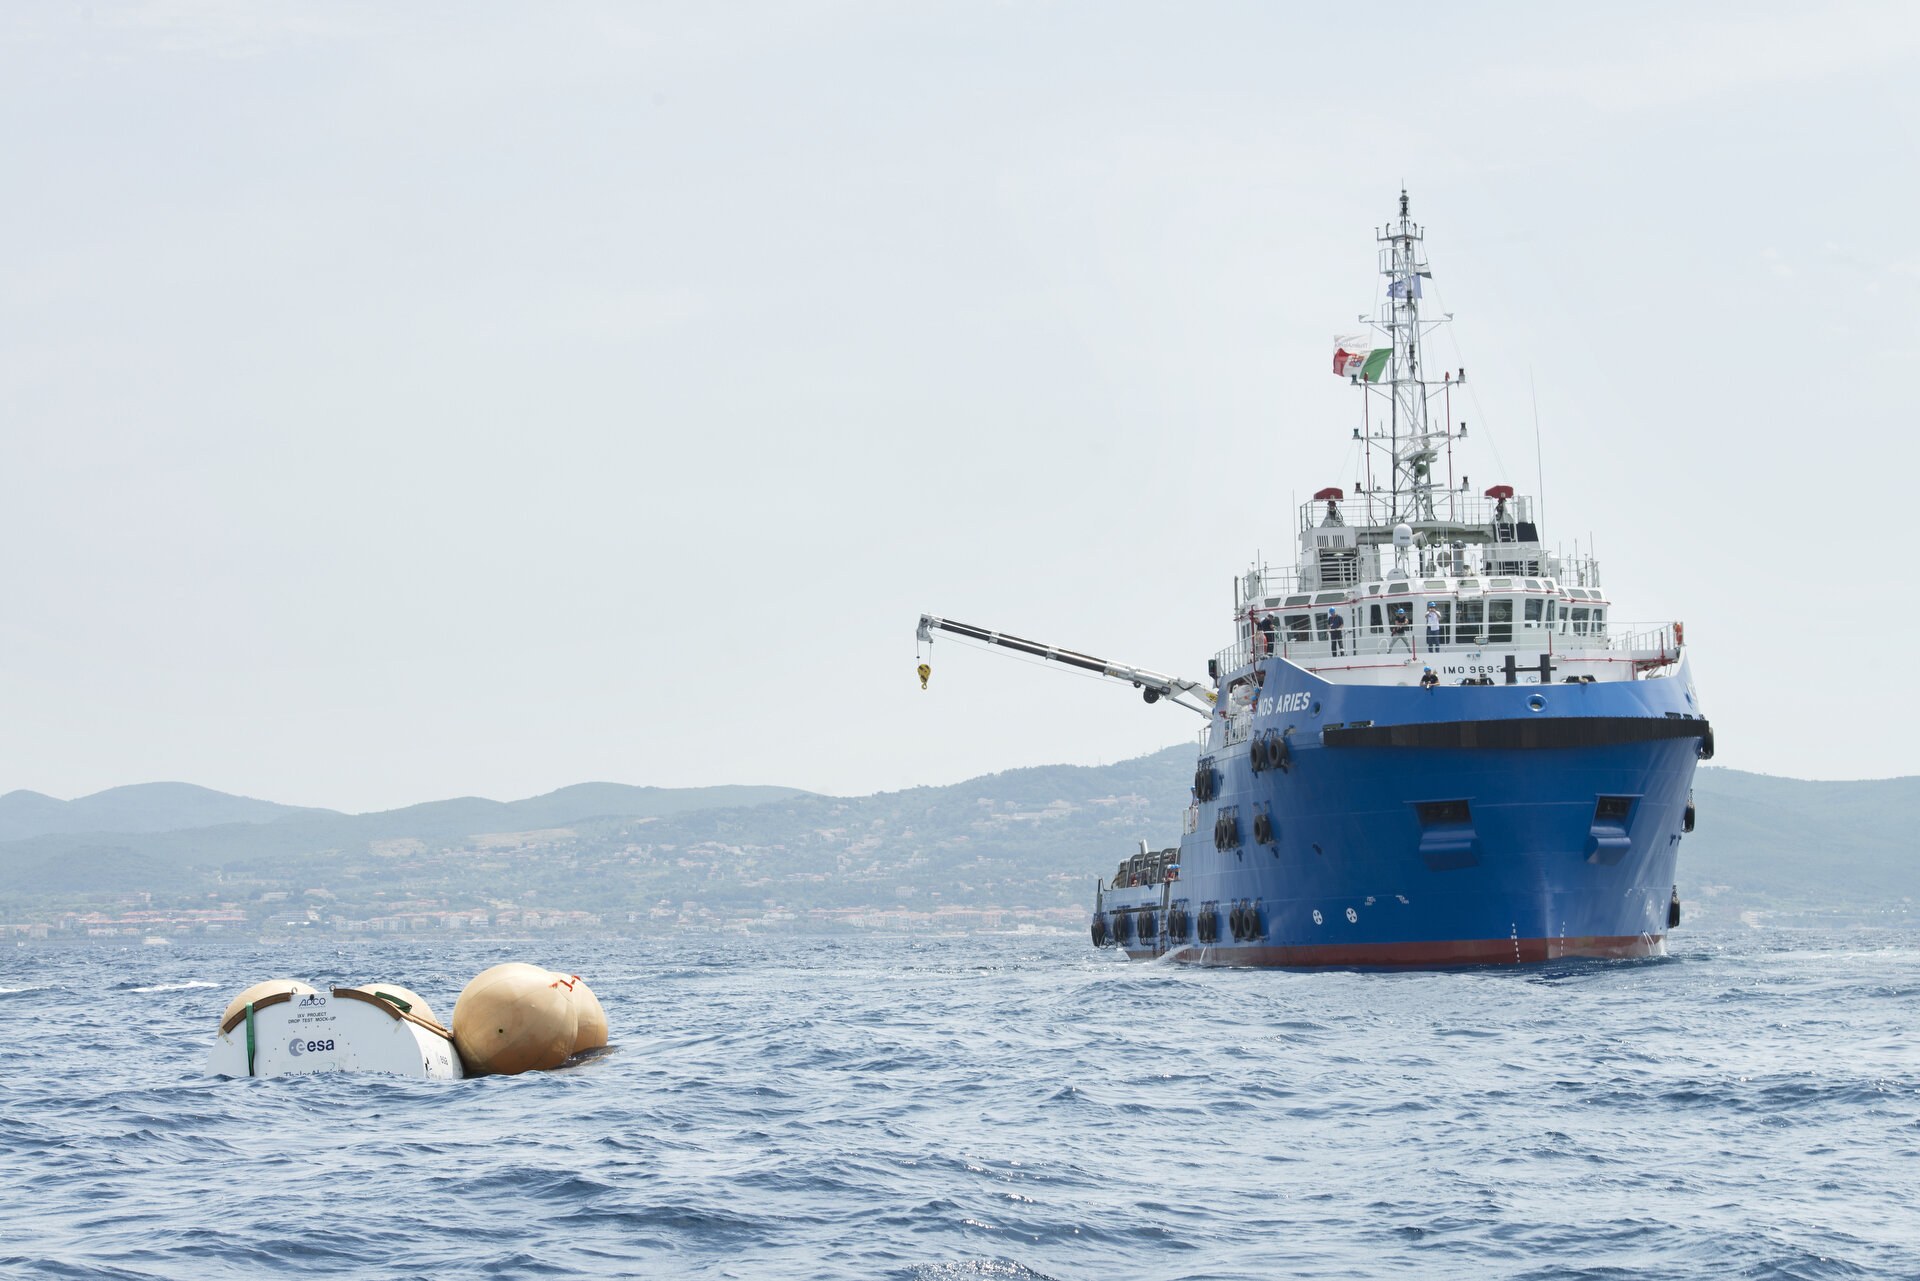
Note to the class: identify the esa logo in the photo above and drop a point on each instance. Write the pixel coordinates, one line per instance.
(312, 1001)
(301, 1045)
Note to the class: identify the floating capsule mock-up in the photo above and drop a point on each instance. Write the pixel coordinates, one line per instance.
(287, 1028)
(590, 1032)
(514, 1018)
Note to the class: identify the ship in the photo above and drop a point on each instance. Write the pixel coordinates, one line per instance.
(1432, 742)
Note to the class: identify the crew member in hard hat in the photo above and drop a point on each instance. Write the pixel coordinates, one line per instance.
(1433, 625)
(1336, 631)
(1428, 680)
(1399, 624)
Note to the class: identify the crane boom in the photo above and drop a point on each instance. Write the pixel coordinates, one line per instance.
(1154, 685)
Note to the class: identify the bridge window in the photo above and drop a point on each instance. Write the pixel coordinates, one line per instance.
(1467, 618)
(1500, 621)
(1373, 619)
(1580, 614)
(1299, 627)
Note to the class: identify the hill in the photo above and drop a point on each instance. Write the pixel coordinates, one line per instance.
(146, 825)
(1789, 843)
(1035, 838)
(142, 807)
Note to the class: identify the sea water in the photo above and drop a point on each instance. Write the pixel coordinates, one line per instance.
(988, 1106)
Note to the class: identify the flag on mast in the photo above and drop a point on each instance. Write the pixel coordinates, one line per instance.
(1408, 285)
(1349, 353)
(1355, 357)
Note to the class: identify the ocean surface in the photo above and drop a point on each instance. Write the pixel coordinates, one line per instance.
(1004, 1106)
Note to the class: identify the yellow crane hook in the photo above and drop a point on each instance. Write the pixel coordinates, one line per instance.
(925, 671)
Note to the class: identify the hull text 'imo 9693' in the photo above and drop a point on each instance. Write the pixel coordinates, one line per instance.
(1431, 743)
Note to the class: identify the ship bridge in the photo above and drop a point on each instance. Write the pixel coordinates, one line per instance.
(1345, 541)
(1466, 591)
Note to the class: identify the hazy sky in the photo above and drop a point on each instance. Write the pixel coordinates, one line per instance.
(402, 401)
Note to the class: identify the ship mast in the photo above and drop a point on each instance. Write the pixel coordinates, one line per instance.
(1414, 444)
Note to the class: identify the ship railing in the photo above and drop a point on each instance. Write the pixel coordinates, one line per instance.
(1232, 658)
(1226, 730)
(1493, 560)
(1650, 644)
(1450, 506)
(1412, 640)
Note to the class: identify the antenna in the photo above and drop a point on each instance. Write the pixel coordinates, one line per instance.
(1412, 439)
(1539, 468)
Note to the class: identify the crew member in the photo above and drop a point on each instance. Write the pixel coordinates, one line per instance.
(1398, 626)
(1433, 626)
(1428, 680)
(1336, 631)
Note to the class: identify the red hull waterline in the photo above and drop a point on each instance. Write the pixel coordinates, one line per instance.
(1433, 952)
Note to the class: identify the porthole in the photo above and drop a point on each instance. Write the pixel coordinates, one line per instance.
(1316, 709)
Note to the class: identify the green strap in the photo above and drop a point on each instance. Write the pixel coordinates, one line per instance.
(405, 1007)
(249, 1038)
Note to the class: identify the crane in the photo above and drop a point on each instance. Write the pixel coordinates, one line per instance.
(1154, 686)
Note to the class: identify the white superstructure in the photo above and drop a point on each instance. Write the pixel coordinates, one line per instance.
(1414, 573)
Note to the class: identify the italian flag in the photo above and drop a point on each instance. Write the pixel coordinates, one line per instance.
(1354, 357)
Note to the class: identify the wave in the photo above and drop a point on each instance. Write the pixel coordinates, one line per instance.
(1013, 1112)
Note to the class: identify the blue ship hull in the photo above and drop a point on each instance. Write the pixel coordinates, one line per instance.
(1575, 799)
